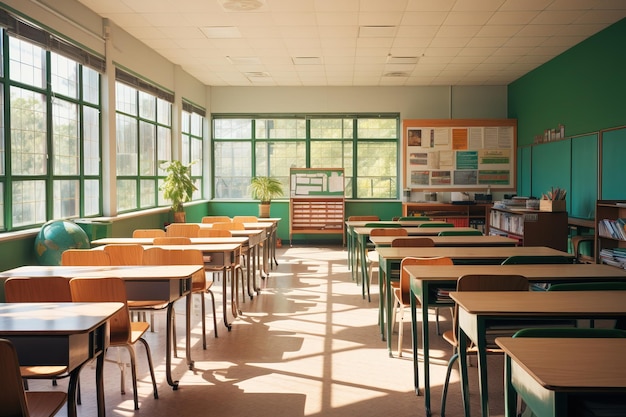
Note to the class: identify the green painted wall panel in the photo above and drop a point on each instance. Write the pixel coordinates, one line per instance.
(551, 166)
(584, 181)
(613, 162)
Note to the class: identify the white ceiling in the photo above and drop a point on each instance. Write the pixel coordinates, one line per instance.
(359, 42)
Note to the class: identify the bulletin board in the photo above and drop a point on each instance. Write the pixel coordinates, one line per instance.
(459, 154)
(316, 182)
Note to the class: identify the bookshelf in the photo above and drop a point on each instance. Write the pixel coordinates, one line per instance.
(461, 215)
(530, 227)
(610, 242)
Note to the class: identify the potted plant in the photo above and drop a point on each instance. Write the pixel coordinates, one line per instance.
(178, 187)
(264, 188)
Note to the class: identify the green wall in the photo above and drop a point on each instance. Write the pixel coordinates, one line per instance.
(583, 88)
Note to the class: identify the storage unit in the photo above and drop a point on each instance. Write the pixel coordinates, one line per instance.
(610, 232)
(316, 216)
(461, 215)
(530, 227)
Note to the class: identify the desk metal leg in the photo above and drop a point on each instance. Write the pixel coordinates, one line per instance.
(73, 386)
(225, 298)
(188, 331)
(416, 379)
(99, 385)
(462, 342)
(426, 353)
(168, 348)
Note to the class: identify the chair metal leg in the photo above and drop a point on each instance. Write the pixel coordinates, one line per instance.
(446, 384)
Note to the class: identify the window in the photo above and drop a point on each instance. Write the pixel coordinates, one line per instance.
(53, 133)
(366, 147)
(192, 131)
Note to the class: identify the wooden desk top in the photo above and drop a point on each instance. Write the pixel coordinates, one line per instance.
(564, 364)
(248, 226)
(452, 240)
(53, 318)
(415, 223)
(225, 247)
(149, 240)
(414, 231)
(552, 303)
(148, 272)
(470, 252)
(535, 272)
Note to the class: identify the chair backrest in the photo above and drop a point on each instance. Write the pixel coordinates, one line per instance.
(363, 218)
(160, 256)
(405, 278)
(478, 282)
(131, 254)
(182, 229)
(98, 290)
(412, 242)
(386, 225)
(37, 290)
(589, 286)
(148, 233)
(389, 232)
(585, 332)
(229, 226)
(85, 257)
(436, 224)
(12, 395)
(245, 219)
(171, 240)
(205, 232)
(461, 233)
(525, 260)
(413, 218)
(215, 219)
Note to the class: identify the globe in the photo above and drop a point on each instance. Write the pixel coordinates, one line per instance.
(55, 237)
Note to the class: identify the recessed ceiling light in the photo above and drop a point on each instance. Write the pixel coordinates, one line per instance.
(403, 60)
(257, 74)
(242, 5)
(395, 74)
(221, 32)
(306, 60)
(244, 60)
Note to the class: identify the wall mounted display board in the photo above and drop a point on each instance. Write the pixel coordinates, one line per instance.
(459, 154)
(316, 182)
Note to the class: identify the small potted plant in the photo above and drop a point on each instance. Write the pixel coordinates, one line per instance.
(264, 189)
(178, 187)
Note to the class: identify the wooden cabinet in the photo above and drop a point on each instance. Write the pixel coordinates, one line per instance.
(461, 215)
(316, 216)
(530, 227)
(610, 240)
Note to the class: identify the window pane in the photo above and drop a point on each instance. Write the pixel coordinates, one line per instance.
(148, 193)
(91, 86)
(91, 198)
(28, 132)
(125, 99)
(333, 154)
(164, 112)
(332, 129)
(2, 145)
(281, 129)
(126, 195)
(147, 106)
(147, 148)
(196, 124)
(29, 202)
(377, 170)
(232, 129)
(196, 156)
(2, 227)
(26, 62)
(276, 158)
(65, 138)
(164, 146)
(91, 141)
(126, 150)
(66, 199)
(64, 75)
(377, 129)
(232, 169)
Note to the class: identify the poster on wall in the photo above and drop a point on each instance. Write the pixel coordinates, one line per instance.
(459, 154)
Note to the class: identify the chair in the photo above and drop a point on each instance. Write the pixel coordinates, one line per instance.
(215, 219)
(148, 233)
(228, 226)
(171, 240)
(199, 283)
(124, 254)
(477, 283)
(526, 260)
(182, 229)
(245, 219)
(436, 224)
(413, 218)
(386, 225)
(14, 401)
(203, 232)
(40, 290)
(402, 292)
(85, 257)
(580, 241)
(461, 233)
(123, 332)
(372, 256)
(412, 242)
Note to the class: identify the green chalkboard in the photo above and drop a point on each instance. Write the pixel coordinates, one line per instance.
(551, 167)
(613, 164)
(316, 182)
(584, 184)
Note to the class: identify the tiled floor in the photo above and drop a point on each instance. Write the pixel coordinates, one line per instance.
(308, 345)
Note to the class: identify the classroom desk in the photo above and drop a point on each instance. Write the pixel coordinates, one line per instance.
(425, 280)
(385, 241)
(390, 259)
(545, 372)
(479, 309)
(362, 235)
(163, 282)
(66, 334)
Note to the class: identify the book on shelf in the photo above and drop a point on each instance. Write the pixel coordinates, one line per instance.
(615, 229)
